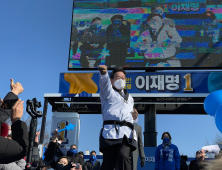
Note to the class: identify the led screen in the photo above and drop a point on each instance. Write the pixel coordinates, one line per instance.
(146, 34)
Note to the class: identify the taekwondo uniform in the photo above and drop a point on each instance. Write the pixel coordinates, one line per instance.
(117, 134)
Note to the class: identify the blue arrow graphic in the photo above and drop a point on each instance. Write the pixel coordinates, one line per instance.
(69, 127)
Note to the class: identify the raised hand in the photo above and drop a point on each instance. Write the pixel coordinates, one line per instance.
(16, 88)
(17, 111)
(102, 69)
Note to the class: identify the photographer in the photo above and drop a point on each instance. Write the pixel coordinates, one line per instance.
(17, 148)
(54, 151)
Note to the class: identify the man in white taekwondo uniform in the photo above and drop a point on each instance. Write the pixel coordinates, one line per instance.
(117, 137)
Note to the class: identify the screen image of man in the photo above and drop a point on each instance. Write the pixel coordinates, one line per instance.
(93, 40)
(161, 41)
(117, 136)
(118, 41)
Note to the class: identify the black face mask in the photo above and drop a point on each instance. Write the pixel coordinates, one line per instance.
(61, 167)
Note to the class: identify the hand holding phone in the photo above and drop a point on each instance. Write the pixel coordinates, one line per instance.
(75, 166)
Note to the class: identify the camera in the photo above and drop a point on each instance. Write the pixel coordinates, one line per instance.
(76, 165)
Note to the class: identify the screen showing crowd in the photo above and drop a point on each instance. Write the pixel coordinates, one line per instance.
(151, 33)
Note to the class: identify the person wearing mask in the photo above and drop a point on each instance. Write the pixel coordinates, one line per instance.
(161, 41)
(92, 163)
(167, 155)
(93, 40)
(139, 150)
(73, 155)
(198, 163)
(54, 150)
(62, 163)
(17, 148)
(117, 137)
(118, 41)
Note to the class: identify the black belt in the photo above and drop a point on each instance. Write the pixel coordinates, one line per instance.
(121, 123)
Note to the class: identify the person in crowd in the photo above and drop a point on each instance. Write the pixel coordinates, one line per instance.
(82, 154)
(161, 41)
(183, 163)
(92, 163)
(118, 41)
(17, 148)
(216, 164)
(199, 163)
(93, 40)
(62, 163)
(167, 155)
(73, 155)
(17, 165)
(117, 136)
(139, 150)
(54, 150)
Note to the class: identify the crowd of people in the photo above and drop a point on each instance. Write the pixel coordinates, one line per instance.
(120, 152)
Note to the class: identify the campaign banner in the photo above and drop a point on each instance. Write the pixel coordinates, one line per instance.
(62, 120)
(149, 158)
(87, 84)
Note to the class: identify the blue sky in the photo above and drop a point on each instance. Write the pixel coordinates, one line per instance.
(34, 48)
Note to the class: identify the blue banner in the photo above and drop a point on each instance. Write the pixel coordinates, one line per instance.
(87, 84)
(149, 158)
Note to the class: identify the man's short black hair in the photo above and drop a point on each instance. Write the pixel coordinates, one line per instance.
(209, 14)
(59, 137)
(81, 153)
(153, 15)
(117, 17)
(167, 134)
(96, 19)
(72, 146)
(198, 152)
(118, 69)
(61, 158)
(92, 152)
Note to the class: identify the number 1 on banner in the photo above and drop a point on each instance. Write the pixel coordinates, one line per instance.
(62, 125)
(188, 87)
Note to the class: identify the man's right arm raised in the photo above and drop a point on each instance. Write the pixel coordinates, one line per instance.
(104, 83)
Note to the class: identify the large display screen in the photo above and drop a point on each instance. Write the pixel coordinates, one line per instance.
(146, 34)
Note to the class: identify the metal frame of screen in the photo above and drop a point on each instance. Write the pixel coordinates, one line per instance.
(153, 68)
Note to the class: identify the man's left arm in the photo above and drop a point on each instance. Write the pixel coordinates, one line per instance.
(174, 36)
(140, 147)
(177, 158)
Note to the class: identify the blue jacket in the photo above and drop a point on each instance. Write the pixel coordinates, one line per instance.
(171, 163)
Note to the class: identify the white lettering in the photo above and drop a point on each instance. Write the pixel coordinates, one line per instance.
(150, 159)
(140, 85)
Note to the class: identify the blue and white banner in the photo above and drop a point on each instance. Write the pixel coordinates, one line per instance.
(180, 84)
